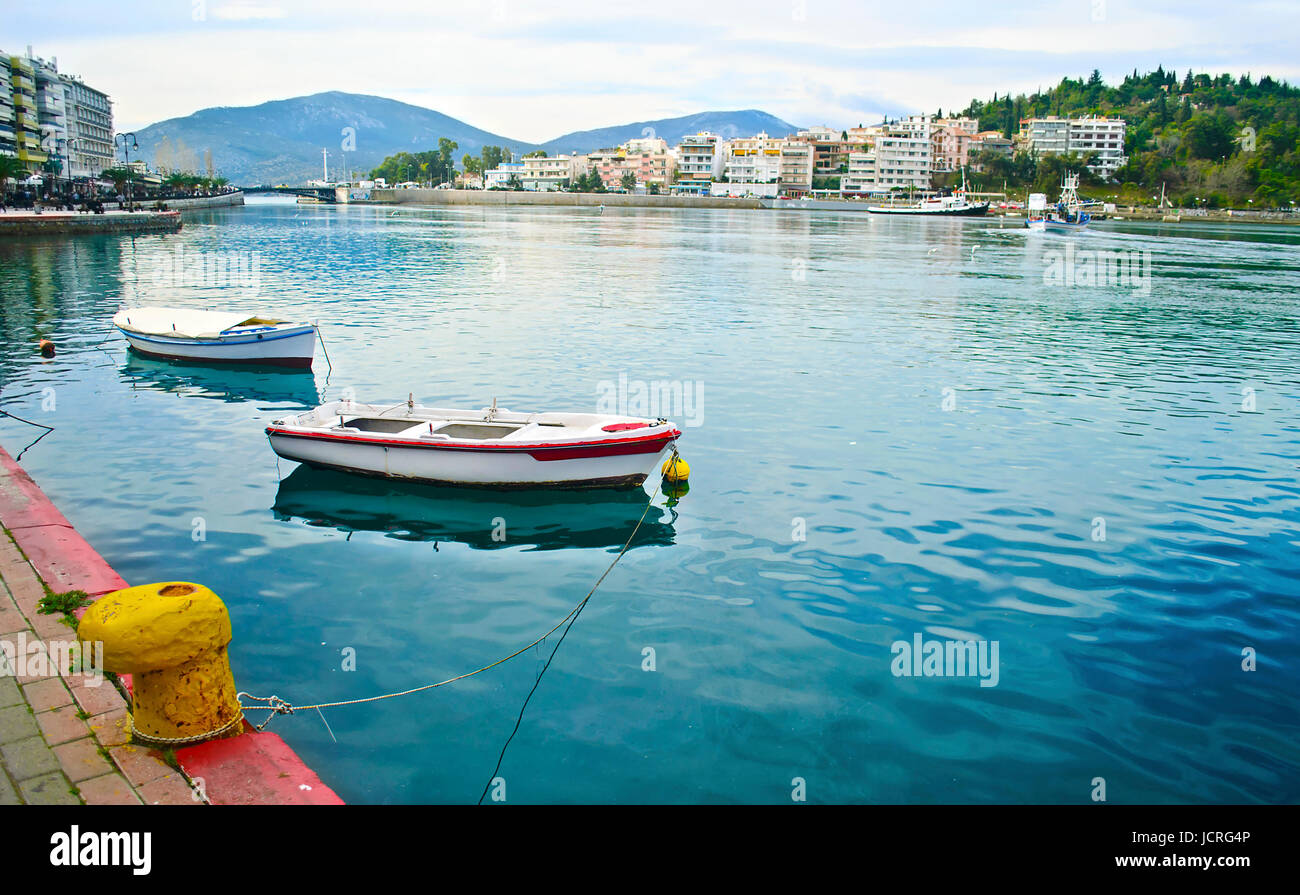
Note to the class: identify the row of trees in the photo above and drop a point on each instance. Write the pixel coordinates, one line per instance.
(433, 166)
(1210, 140)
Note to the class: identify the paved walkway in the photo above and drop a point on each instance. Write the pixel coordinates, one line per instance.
(62, 741)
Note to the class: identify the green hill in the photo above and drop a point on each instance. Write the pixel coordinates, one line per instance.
(1214, 141)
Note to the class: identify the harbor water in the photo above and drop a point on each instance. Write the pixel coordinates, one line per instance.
(1085, 449)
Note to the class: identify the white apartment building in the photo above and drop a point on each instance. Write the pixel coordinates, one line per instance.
(89, 118)
(499, 177)
(754, 159)
(1105, 137)
(903, 155)
(700, 159)
(796, 166)
(1081, 136)
(862, 177)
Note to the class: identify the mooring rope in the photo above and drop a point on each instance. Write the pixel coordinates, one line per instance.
(274, 705)
(48, 430)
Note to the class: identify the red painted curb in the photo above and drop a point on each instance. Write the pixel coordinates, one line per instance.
(250, 769)
(60, 556)
(254, 769)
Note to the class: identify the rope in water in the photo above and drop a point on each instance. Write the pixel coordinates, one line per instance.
(274, 705)
(48, 430)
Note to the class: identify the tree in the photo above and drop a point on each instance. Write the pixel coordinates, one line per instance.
(514, 183)
(1210, 136)
(539, 153)
(11, 169)
(628, 182)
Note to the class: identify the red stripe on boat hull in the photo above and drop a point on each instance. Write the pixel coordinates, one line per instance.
(543, 453)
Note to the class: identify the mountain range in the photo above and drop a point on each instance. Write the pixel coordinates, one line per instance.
(281, 141)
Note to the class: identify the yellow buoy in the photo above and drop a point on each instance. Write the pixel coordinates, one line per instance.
(47, 348)
(675, 469)
(172, 638)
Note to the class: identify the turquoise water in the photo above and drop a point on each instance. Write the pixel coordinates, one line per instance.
(943, 422)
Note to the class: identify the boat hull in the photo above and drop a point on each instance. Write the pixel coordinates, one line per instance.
(290, 348)
(967, 212)
(599, 464)
(1049, 226)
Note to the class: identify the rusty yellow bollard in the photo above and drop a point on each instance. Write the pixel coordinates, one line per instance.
(172, 638)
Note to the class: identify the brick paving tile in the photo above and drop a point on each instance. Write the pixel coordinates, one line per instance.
(8, 792)
(9, 692)
(48, 789)
(96, 700)
(170, 790)
(81, 760)
(110, 728)
(61, 725)
(110, 789)
(140, 764)
(47, 694)
(17, 723)
(28, 758)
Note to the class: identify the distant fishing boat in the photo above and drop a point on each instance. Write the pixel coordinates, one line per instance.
(1067, 217)
(217, 337)
(491, 447)
(954, 204)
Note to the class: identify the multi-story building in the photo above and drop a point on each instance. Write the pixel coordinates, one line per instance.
(647, 160)
(551, 173)
(903, 155)
(862, 177)
(754, 160)
(1105, 138)
(498, 178)
(89, 117)
(27, 128)
(950, 140)
(988, 142)
(700, 158)
(797, 160)
(48, 115)
(831, 148)
(8, 144)
(1081, 136)
(1046, 136)
(49, 110)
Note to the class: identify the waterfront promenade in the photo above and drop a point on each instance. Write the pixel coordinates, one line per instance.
(63, 740)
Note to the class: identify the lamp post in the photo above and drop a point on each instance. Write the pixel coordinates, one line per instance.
(126, 155)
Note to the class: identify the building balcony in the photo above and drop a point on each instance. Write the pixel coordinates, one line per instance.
(29, 155)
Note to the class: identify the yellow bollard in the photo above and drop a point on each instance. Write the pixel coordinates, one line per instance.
(172, 638)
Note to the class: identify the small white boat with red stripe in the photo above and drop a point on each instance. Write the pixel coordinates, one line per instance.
(220, 337)
(492, 447)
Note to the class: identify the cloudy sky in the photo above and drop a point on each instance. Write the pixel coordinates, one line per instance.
(535, 70)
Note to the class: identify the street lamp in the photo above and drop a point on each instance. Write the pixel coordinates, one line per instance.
(126, 155)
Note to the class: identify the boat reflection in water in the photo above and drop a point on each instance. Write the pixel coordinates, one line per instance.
(223, 383)
(539, 519)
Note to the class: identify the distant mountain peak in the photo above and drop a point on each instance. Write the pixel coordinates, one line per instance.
(280, 141)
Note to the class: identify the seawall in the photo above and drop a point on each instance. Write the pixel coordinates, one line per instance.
(65, 223)
(514, 197)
